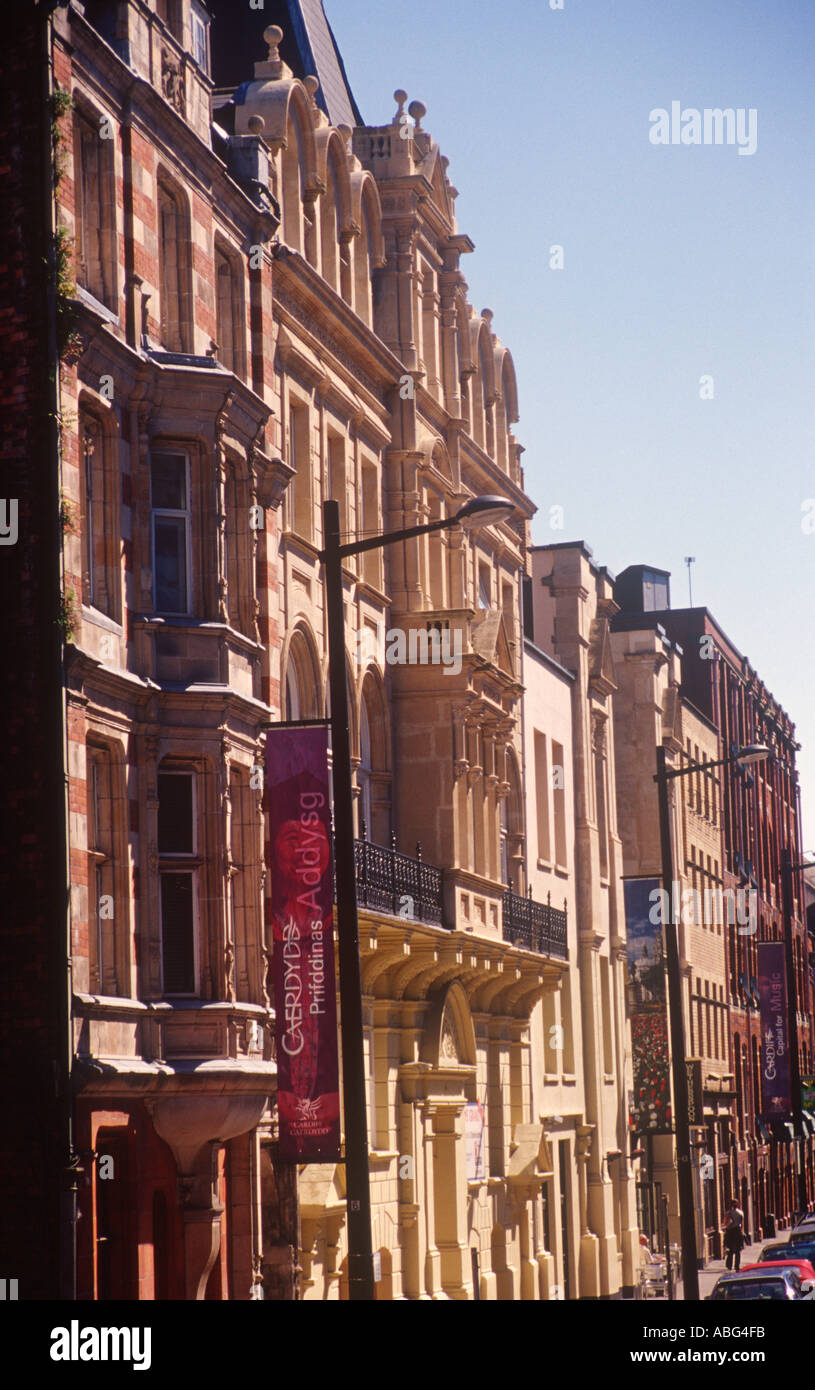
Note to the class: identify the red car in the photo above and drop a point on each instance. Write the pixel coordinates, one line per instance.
(803, 1267)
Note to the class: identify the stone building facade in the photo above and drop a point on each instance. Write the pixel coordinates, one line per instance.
(557, 1034)
(571, 607)
(649, 709)
(169, 485)
(397, 399)
(258, 309)
(759, 813)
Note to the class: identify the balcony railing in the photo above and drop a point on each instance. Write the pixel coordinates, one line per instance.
(535, 926)
(389, 881)
(404, 886)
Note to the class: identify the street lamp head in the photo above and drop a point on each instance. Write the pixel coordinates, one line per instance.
(752, 753)
(484, 511)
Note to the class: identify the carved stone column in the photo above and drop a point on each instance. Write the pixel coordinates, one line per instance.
(449, 280)
(589, 1245)
(140, 510)
(194, 1127)
(220, 510)
(254, 602)
(150, 894)
(405, 247)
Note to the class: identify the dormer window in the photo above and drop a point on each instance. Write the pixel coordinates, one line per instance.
(169, 12)
(484, 588)
(199, 23)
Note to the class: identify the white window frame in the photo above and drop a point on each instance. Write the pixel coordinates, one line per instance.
(199, 30)
(186, 513)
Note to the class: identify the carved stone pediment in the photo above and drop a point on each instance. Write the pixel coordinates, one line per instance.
(273, 477)
(601, 665)
(172, 81)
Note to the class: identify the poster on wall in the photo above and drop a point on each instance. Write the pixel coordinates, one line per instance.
(474, 1141)
(300, 862)
(775, 1061)
(645, 962)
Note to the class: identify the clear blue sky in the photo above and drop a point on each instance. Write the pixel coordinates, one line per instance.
(679, 262)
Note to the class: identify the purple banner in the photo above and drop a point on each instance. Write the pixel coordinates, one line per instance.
(775, 1061)
(299, 856)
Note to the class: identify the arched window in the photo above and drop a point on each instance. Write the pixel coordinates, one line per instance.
(502, 417)
(99, 518)
(373, 773)
(364, 255)
(293, 186)
(94, 208)
(292, 693)
(302, 678)
(229, 311)
(329, 232)
(486, 395)
(176, 326)
(365, 771)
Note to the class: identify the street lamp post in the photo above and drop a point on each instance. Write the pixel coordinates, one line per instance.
(479, 511)
(687, 1216)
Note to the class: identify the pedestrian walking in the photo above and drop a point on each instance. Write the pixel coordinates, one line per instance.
(733, 1235)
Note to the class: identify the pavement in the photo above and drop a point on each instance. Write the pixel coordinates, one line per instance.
(712, 1270)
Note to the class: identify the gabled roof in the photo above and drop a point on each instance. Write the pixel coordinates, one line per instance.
(314, 34)
(308, 47)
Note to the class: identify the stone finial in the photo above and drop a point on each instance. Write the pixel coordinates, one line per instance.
(400, 98)
(272, 68)
(488, 315)
(273, 37)
(418, 111)
(312, 86)
(344, 132)
(257, 125)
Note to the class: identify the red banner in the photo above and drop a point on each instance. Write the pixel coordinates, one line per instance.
(302, 907)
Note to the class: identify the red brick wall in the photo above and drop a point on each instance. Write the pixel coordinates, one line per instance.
(31, 913)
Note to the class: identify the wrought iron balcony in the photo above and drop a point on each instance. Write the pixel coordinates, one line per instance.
(535, 926)
(397, 883)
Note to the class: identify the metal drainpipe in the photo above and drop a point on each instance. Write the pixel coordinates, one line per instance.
(68, 1165)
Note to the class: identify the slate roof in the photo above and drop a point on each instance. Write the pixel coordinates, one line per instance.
(308, 47)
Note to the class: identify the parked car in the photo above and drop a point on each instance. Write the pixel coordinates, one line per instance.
(804, 1268)
(804, 1221)
(779, 1286)
(801, 1249)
